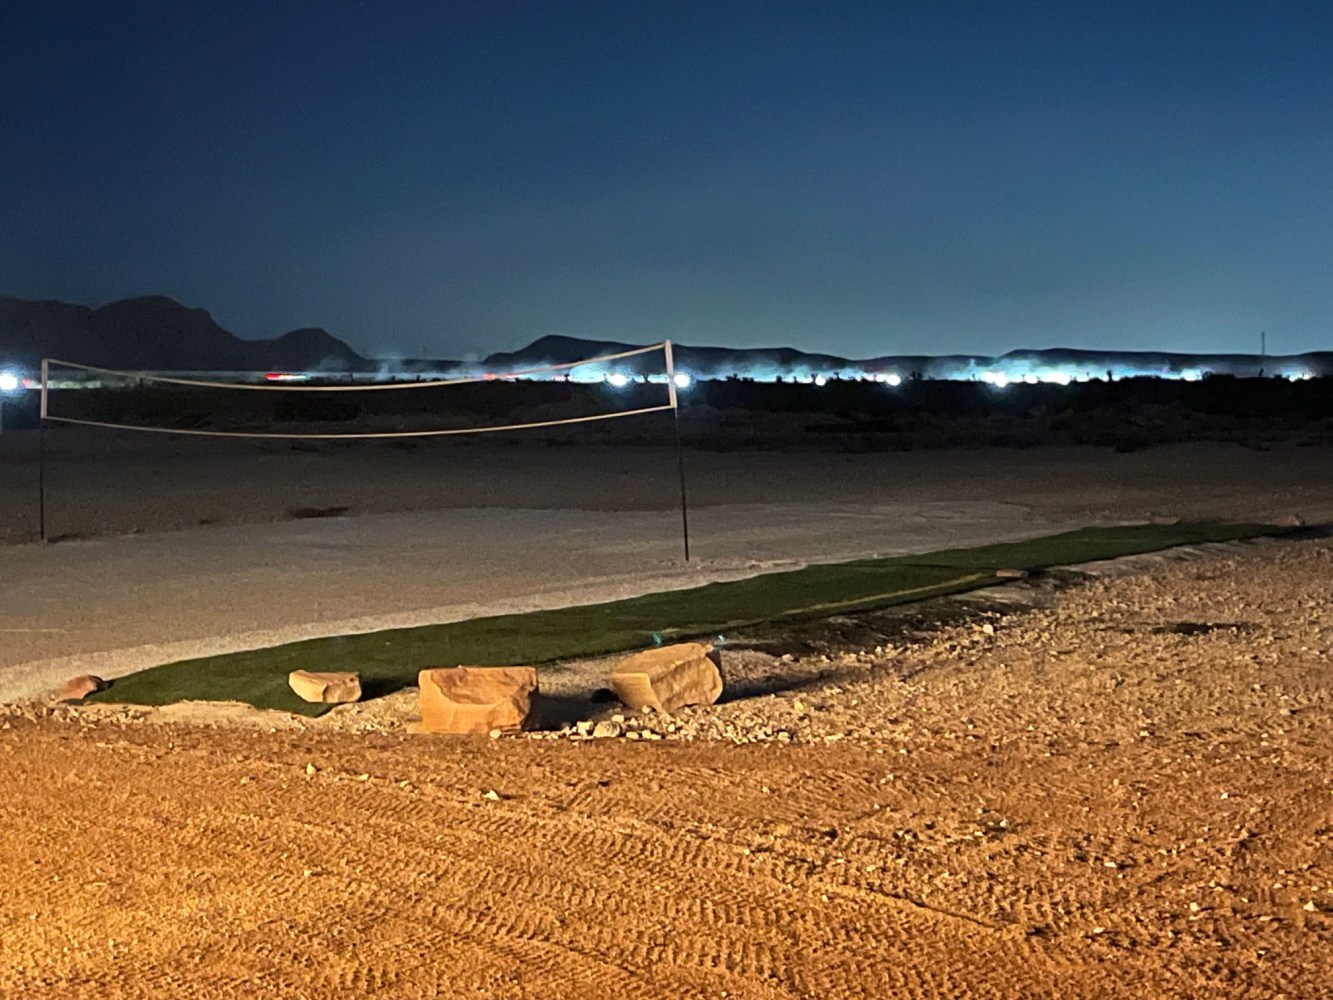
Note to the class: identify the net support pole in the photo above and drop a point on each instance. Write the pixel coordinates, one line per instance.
(41, 453)
(680, 448)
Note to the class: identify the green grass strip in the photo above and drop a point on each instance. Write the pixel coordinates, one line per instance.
(389, 660)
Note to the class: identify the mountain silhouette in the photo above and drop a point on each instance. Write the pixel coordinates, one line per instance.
(787, 362)
(155, 333)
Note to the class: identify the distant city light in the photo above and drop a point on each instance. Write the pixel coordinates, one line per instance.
(618, 379)
(682, 380)
(998, 379)
(1030, 379)
(1190, 376)
(893, 378)
(9, 382)
(821, 380)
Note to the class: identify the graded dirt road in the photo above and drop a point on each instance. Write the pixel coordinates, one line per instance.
(1128, 793)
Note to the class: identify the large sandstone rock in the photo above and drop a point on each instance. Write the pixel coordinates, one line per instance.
(78, 688)
(327, 688)
(668, 678)
(476, 699)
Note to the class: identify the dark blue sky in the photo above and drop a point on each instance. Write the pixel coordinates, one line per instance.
(860, 178)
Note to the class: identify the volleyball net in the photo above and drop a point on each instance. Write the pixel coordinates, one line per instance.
(314, 406)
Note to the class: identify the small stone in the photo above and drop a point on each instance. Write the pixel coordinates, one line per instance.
(491, 795)
(584, 727)
(988, 628)
(1310, 907)
(78, 688)
(607, 729)
(325, 688)
(1009, 573)
(495, 734)
(1290, 521)
(310, 769)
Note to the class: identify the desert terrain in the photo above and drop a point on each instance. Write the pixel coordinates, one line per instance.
(1118, 787)
(1111, 781)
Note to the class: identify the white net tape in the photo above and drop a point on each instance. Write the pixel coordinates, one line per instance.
(368, 387)
(139, 377)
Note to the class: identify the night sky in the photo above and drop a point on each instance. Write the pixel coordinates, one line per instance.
(859, 178)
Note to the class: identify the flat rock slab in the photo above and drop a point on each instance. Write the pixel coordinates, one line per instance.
(668, 677)
(326, 688)
(469, 700)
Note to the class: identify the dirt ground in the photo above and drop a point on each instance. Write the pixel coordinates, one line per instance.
(100, 483)
(1121, 786)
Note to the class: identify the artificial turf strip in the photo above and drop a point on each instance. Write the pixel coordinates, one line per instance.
(389, 660)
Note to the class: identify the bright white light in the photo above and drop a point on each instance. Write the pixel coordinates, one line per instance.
(1059, 378)
(9, 382)
(1030, 379)
(682, 380)
(988, 377)
(1190, 376)
(618, 379)
(999, 380)
(893, 378)
(821, 380)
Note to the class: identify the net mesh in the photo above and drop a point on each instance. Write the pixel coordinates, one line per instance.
(541, 396)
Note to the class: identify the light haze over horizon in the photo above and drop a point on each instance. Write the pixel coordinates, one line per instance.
(860, 179)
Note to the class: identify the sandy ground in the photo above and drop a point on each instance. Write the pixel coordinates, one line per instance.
(100, 484)
(440, 534)
(1122, 790)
